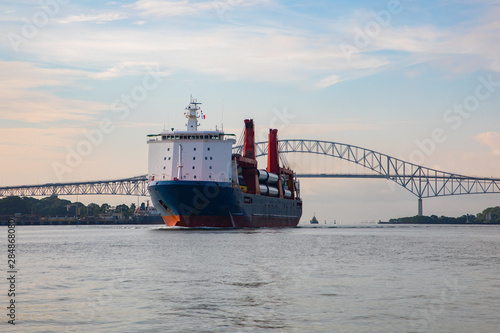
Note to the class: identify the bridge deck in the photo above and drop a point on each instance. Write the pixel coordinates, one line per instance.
(421, 181)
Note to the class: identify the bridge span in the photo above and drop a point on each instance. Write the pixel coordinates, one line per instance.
(136, 186)
(420, 181)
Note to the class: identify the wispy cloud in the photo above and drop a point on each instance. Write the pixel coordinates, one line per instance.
(471, 44)
(269, 52)
(328, 81)
(188, 8)
(490, 139)
(260, 50)
(129, 68)
(263, 54)
(95, 17)
(22, 138)
(23, 100)
(171, 8)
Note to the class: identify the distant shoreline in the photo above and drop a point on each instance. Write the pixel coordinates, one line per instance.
(86, 222)
(442, 223)
(489, 216)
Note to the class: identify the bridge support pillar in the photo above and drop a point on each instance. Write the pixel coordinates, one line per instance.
(420, 207)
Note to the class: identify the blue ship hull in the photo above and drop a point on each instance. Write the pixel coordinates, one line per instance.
(220, 205)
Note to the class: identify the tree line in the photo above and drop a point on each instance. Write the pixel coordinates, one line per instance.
(489, 215)
(53, 206)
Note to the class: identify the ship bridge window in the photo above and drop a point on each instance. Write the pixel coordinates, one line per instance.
(177, 137)
(191, 137)
(164, 137)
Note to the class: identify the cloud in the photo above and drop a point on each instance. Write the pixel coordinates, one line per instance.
(260, 50)
(467, 46)
(93, 17)
(23, 100)
(171, 8)
(240, 53)
(328, 81)
(127, 68)
(22, 138)
(490, 139)
(189, 8)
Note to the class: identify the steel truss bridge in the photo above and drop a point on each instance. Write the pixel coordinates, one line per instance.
(421, 181)
(127, 186)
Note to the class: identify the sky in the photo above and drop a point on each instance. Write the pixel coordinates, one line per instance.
(84, 82)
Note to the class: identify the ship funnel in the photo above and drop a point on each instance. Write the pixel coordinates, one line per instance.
(273, 165)
(249, 145)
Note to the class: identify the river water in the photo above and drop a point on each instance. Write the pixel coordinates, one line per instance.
(345, 279)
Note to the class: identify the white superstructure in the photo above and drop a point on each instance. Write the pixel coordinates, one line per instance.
(191, 154)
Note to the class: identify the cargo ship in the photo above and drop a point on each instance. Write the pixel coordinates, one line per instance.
(147, 214)
(195, 180)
